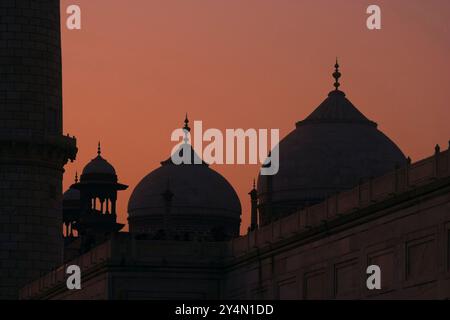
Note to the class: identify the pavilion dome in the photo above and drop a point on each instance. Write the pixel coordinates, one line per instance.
(329, 151)
(71, 204)
(98, 170)
(188, 199)
(71, 194)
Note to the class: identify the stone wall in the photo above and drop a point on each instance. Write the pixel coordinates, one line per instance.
(126, 268)
(409, 241)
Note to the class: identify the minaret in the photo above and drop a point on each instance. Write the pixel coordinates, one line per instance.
(33, 150)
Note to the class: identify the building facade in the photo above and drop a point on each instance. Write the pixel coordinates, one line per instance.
(399, 221)
(346, 199)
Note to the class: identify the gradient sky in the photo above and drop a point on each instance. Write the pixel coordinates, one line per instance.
(138, 66)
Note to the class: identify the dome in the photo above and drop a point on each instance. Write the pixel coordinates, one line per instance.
(98, 170)
(71, 204)
(99, 165)
(188, 199)
(71, 195)
(329, 151)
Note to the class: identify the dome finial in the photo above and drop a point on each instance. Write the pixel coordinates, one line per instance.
(186, 129)
(99, 149)
(336, 75)
(186, 124)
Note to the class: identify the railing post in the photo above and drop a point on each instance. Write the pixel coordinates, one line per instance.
(437, 152)
(408, 168)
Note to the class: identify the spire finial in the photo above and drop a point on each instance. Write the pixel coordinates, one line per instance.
(186, 124)
(99, 149)
(76, 177)
(437, 148)
(186, 129)
(336, 75)
(254, 183)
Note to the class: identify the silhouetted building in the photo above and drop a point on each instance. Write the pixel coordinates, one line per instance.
(368, 206)
(89, 207)
(33, 150)
(345, 198)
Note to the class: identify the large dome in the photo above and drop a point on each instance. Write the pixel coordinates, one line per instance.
(189, 200)
(329, 151)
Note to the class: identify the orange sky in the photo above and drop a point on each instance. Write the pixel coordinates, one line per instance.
(137, 66)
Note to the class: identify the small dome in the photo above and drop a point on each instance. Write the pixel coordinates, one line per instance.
(71, 195)
(192, 197)
(98, 170)
(328, 152)
(71, 203)
(99, 165)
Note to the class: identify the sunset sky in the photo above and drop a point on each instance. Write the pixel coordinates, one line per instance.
(138, 66)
